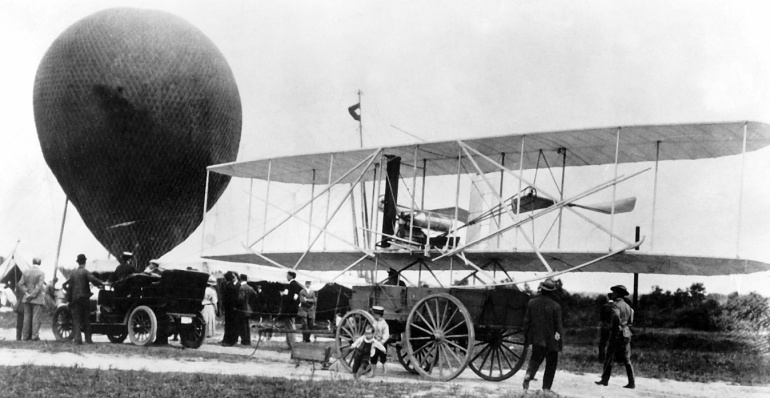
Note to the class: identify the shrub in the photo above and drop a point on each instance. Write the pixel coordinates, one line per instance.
(748, 316)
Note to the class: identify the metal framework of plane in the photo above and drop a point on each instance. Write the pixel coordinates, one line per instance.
(412, 237)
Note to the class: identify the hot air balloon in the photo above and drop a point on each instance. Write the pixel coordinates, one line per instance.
(131, 106)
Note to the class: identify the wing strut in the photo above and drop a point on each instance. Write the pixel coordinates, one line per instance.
(350, 192)
(556, 206)
(368, 158)
(575, 268)
(575, 212)
(502, 205)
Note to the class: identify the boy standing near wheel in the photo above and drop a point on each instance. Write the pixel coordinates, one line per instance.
(78, 284)
(381, 334)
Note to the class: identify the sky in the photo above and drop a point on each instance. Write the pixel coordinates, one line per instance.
(442, 70)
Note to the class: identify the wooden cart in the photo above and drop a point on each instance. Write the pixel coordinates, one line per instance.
(443, 330)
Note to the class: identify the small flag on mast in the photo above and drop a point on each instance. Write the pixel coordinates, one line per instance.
(355, 111)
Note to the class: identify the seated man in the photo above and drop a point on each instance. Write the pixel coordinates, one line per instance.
(125, 268)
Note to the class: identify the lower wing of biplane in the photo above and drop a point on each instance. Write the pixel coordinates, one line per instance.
(409, 237)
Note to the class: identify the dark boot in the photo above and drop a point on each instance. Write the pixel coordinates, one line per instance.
(630, 374)
(88, 338)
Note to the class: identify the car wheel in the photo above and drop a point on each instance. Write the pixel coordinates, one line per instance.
(62, 324)
(142, 326)
(117, 338)
(193, 336)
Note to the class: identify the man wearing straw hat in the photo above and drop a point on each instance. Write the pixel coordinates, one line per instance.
(543, 330)
(620, 338)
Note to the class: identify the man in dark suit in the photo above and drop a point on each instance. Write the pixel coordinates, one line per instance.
(245, 294)
(605, 323)
(289, 306)
(78, 283)
(543, 330)
(230, 304)
(124, 269)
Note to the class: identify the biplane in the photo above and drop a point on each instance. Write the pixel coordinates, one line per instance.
(483, 230)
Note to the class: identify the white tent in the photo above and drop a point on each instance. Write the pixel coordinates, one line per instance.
(12, 267)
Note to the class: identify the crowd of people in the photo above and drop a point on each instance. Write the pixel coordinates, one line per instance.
(239, 299)
(543, 327)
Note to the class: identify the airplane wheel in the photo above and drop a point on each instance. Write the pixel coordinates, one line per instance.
(498, 354)
(62, 324)
(142, 326)
(350, 329)
(439, 337)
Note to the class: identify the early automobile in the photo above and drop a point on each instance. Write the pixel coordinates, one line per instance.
(145, 307)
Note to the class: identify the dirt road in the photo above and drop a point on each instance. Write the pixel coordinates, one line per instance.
(278, 364)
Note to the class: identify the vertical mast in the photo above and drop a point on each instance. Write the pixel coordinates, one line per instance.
(205, 204)
(563, 152)
(58, 246)
(364, 211)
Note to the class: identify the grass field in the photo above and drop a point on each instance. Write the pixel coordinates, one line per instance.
(49, 382)
(676, 354)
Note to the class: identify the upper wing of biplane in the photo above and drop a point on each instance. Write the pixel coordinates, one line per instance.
(584, 147)
(415, 245)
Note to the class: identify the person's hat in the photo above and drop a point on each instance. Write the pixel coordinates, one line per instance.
(212, 281)
(81, 258)
(548, 285)
(36, 261)
(620, 290)
(229, 276)
(378, 310)
(127, 255)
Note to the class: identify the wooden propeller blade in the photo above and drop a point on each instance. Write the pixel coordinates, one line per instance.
(624, 205)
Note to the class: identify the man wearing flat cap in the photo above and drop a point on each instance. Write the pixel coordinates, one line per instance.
(620, 337)
(78, 284)
(543, 330)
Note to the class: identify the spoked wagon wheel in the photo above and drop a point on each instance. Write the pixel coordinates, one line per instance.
(142, 326)
(403, 356)
(498, 354)
(62, 324)
(439, 337)
(350, 329)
